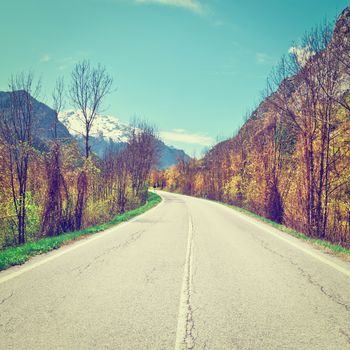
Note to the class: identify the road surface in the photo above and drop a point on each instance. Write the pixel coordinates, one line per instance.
(188, 274)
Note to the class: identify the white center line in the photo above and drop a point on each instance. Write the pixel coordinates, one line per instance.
(184, 336)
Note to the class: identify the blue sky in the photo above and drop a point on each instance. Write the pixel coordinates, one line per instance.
(194, 68)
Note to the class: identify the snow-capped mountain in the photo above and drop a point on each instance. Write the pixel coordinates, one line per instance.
(108, 129)
(104, 126)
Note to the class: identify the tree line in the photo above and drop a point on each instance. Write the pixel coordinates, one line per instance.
(290, 162)
(56, 188)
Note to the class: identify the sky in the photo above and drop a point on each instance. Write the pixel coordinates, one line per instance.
(193, 68)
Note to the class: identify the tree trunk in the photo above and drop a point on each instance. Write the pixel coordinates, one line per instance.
(81, 200)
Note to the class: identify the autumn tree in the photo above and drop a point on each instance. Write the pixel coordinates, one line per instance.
(116, 176)
(55, 219)
(17, 128)
(143, 154)
(122, 177)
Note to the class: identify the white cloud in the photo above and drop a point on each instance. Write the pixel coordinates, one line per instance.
(302, 54)
(180, 135)
(45, 58)
(191, 5)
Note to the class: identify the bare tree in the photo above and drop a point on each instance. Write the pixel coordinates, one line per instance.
(89, 86)
(58, 102)
(16, 126)
(304, 88)
(327, 76)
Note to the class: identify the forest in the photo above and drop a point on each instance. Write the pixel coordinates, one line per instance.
(51, 186)
(290, 161)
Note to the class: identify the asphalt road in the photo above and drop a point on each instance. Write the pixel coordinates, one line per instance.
(188, 274)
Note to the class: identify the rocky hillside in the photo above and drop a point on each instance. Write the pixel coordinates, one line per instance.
(43, 123)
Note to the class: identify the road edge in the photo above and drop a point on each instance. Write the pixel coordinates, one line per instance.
(21, 254)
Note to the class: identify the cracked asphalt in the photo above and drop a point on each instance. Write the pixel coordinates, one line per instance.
(228, 282)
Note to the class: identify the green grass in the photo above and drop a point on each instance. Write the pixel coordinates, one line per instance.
(19, 255)
(317, 242)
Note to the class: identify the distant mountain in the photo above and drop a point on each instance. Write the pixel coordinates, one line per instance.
(107, 130)
(43, 122)
(169, 155)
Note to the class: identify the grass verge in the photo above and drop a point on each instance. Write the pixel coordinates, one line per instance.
(319, 243)
(19, 255)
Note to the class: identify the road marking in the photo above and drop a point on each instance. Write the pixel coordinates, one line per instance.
(314, 255)
(271, 231)
(184, 337)
(56, 254)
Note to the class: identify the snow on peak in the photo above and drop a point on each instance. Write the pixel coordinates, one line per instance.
(104, 126)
